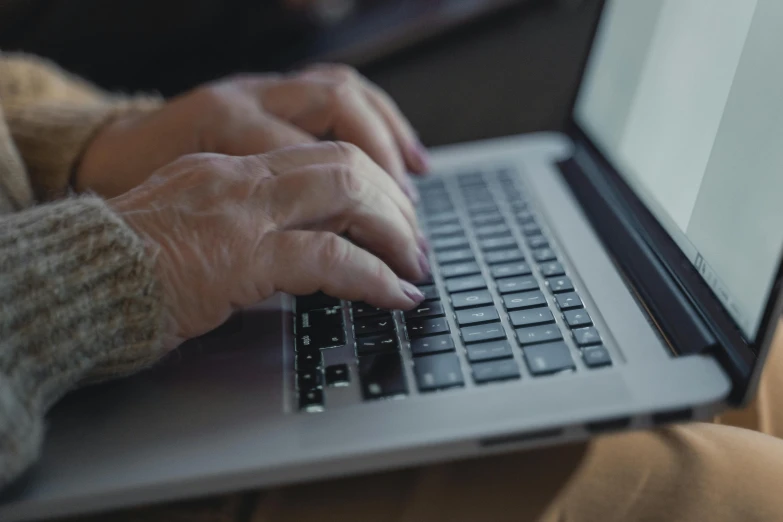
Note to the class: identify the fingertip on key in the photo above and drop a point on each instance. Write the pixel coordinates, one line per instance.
(411, 292)
(410, 190)
(424, 263)
(419, 158)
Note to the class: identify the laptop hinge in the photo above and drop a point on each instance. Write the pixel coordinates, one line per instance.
(667, 304)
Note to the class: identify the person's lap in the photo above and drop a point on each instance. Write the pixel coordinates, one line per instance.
(695, 472)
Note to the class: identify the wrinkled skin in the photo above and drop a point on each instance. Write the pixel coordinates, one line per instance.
(228, 232)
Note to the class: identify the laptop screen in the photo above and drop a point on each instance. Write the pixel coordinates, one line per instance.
(685, 98)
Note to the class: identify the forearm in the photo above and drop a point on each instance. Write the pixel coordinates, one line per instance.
(78, 300)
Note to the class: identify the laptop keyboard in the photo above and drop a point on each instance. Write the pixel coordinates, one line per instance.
(501, 310)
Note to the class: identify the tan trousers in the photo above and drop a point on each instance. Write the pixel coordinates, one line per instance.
(731, 470)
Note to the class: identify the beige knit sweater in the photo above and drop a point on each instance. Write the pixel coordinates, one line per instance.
(78, 299)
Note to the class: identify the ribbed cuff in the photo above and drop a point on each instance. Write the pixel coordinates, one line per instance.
(52, 136)
(77, 293)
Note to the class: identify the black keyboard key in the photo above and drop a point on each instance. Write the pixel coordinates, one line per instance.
(460, 269)
(382, 375)
(535, 242)
(503, 256)
(477, 315)
(544, 359)
(315, 301)
(551, 269)
(586, 336)
(437, 372)
(517, 284)
(480, 194)
(317, 339)
(538, 334)
(487, 231)
(308, 360)
(320, 318)
(432, 344)
(489, 351)
(444, 218)
(531, 317)
(463, 284)
(482, 333)
(311, 400)
(428, 309)
(376, 343)
(425, 327)
(454, 256)
(430, 292)
(471, 178)
(309, 379)
(596, 356)
(568, 301)
(577, 318)
(449, 243)
(373, 325)
(488, 218)
(493, 371)
(510, 270)
(337, 375)
(438, 206)
(544, 254)
(560, 284)
(481, 206)
(525, 216)
(524, 300)
(471, 299)
(361, 309)
(497, 243)
(447, 230)
(531, 229)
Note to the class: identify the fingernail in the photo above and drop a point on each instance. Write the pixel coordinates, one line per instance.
(424, 263)
(420, 158)
(424, 245)
(411, 292)
(410, 190)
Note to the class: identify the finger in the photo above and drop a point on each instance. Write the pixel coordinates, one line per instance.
(416, 156)
(303, 262)
(321, 105)
(261, 134)
(338, 199)
(286, 160)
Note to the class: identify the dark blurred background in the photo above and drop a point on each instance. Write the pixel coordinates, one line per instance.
(460, 69)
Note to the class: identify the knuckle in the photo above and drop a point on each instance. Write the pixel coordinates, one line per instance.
(333, 250)
(349, 153)
(349, 183)
(216, 96)
(341, 91)
(342, 72)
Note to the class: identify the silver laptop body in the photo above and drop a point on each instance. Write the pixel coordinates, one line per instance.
(611, 318)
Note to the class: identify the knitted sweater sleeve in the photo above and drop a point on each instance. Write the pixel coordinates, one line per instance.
(77, 292)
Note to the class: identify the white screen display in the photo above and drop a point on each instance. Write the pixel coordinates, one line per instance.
(685, 97)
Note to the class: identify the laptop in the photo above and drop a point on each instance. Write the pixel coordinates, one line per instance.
(622, 275)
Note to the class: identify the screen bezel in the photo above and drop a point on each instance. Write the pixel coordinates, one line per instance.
(740, 352)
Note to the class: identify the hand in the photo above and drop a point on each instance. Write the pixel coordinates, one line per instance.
(229, 232)
(255, 114)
